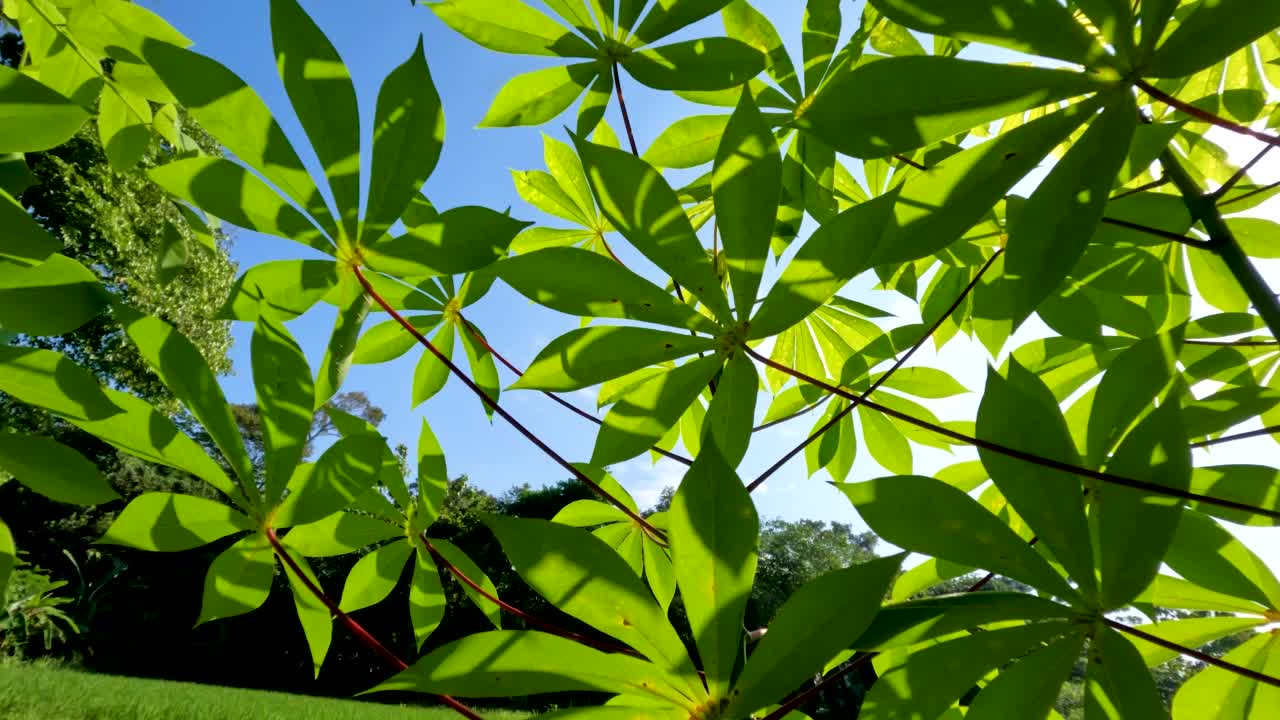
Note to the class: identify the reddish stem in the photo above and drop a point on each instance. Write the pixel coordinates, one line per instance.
(517, 612)
(649, 529)
(367, 639)
(475, 332)
(1142, 485)
(855, 401)
(1204, 115)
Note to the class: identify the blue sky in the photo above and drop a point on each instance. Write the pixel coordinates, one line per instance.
(474, 169)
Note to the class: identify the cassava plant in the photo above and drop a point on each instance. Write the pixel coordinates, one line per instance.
(889, 156)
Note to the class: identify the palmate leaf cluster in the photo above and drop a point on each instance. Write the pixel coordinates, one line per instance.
(1085, 487)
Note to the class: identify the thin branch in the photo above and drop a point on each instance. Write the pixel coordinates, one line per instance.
(368, 640)
(649, 529)
(1238, 436)
(785, 708)
(1251, 193)
(1162, 180)
(517, 612)
(1149, 487)
(908, 161)
(576, 410)
(1233, 343)
(792, 416)
(1240, 174)
(1204, 115)
(1175, 237)
(855, 401)
(1192, 653)
(991, 576)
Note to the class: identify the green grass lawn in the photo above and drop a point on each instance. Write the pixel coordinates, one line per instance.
(33, 692)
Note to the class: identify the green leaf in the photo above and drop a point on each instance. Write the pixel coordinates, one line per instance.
(1206, 554)
(585, 578)
(956, 95)
(688, 142)
(1046, 29)
(50, 381)
(588, 356)
(666, 16)
(642, 416)
(1136, 528)
(589, 513)
(324, 100)
(933, 678)
(52, 298)
(713, 63)
(288, 287)
(836, 252)
(642, 206)
(467, 566)
(238, 580)
(388, 340)
(460, 240)
(1215, 282)
(809, 628)
(1135, 378)
(173, 254)
(430, 374)
(122, 128)
(426, 598)
(1221, 693)
(1117, 683)
(313, 614)
(1167, 591)
(340, 533)
(286, 395)
(433, 476)
(374, 576)
(1028, 688)
(541, 190)
(919, 621)
(584, 283)
(408, 132)
(24, 242)
(185, 373)
(348, 468)
(506, 663)
(934, 518)
(167, 522)
(533, 98)
(33, 116)
(353, 308)
(732, 412)
(1258, 237)
(819, 33)
(714, 533)
(595, 102)
(936, 207)
(885, 443)
(510, 26)
(234, 114)
(565, 167)
(743, 22)
(483, 370)
(745, 181)
(8, 555)
(1048, 234)
(1257, 485)
(923, 382)
(54, 470)
(1210, 33)
(1019, 411)
(230, 192)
